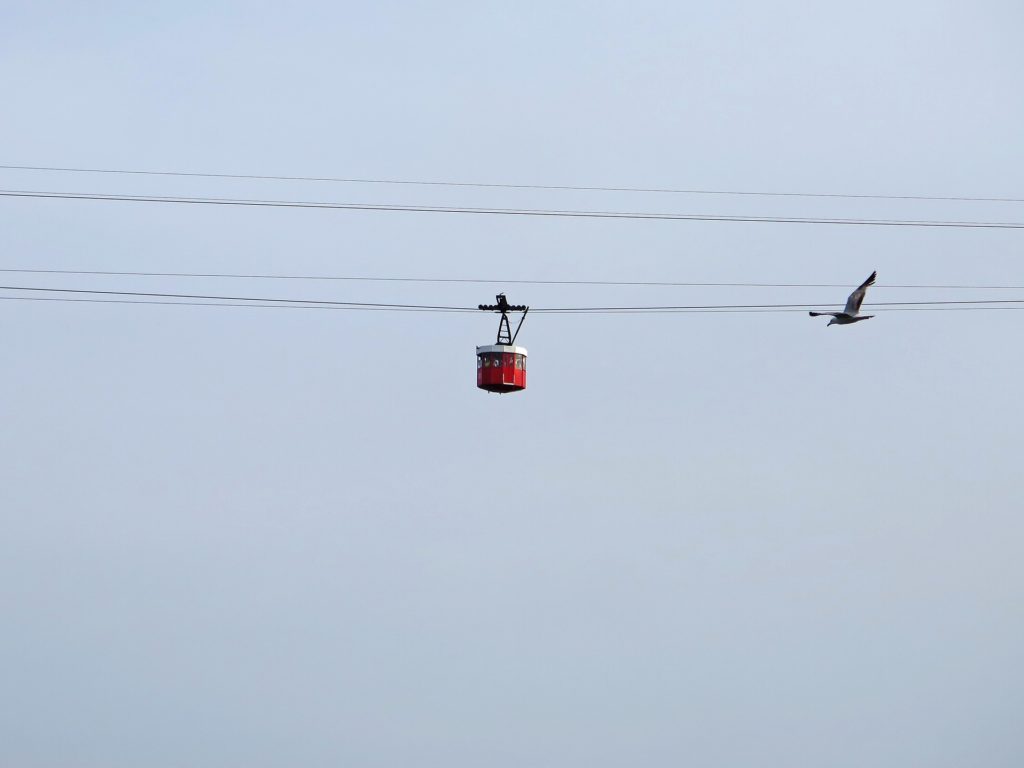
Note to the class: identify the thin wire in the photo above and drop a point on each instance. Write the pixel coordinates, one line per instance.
(437, 308)
(328, 307)
(216, 304)
(348, 304)
(550, 213)
(628, 283)
(482, 185)
(655, 309)
(802, 310)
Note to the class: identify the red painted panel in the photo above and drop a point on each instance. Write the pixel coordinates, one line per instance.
(498, 372)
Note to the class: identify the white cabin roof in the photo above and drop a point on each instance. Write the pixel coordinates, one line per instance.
(502, 348)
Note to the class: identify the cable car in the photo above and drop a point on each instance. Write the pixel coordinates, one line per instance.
(501, 367)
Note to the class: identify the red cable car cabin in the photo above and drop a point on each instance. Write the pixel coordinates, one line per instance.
(501, 368)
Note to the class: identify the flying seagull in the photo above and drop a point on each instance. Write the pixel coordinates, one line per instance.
(850, 312)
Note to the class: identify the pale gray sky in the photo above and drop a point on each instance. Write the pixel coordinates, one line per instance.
(272, 538)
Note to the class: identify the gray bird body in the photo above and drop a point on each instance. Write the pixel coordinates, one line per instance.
(851, 312)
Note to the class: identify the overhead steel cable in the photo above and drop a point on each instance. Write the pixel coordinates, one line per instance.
(148, 294)
(241, 305)
(500, 185)
(477, 281)
(800, 310)
(599, 283)
(532, 212)
(670, 308)
(442, 308)
(237, 305)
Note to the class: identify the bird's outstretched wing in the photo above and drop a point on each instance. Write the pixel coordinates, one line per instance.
(857, 297)
(822, 314)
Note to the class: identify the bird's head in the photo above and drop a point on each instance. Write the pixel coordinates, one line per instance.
(833, 321)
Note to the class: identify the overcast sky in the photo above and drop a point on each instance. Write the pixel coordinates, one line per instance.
(270, 537)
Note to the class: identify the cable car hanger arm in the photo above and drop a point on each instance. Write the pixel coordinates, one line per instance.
(514, 335)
